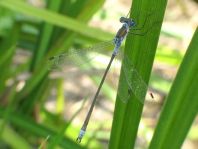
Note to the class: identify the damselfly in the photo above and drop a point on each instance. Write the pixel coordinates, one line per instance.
(135, 82)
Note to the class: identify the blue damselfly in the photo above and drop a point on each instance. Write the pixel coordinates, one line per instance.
(136, 85)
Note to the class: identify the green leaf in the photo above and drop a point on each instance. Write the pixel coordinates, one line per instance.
(13, 139)
(141, 51)
(61, 43)
(7, 52)
(45, 36)
(32, 127)
(55, 19)
(181, 104)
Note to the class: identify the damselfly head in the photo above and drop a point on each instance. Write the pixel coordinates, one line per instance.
(129, 21)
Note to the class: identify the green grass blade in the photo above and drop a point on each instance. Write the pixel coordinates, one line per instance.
(169, 56)
(55, 19)
(7, 52)
(181, 104)
(60, 44)
(141, 51)
(7, 134)
(28, 125)
(13, 139)
(45, 36)
(60, 102)
(28, 106)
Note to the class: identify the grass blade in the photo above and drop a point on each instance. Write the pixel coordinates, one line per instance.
(42, 71)
(13, 139)
(181, 104)
(55, 19)
(45, 36)
(140, 50)
(28, 125)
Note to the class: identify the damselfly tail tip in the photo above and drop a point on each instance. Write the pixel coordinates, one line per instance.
(80, 136)
(78, 140)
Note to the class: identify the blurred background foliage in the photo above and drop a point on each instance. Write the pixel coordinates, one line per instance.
(42, 109)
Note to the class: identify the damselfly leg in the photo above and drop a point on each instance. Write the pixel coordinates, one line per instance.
(142, 29)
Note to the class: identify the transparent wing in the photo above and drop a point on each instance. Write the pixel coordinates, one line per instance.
(77, 56)
(132, 83)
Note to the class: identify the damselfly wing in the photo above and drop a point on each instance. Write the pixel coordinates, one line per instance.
(134, 82)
